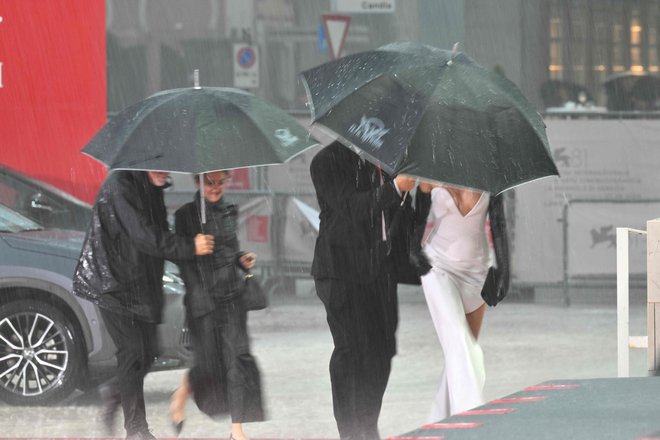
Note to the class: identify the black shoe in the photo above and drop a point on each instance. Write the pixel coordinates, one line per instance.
(141, 435)
(110, 400)
(177, 427)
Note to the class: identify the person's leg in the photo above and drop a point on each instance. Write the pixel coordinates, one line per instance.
(440, 407)
(207, 376)
(136, 350)
(242, 374)
(377, 317)
(474, 320)
(463, 357)
(111, 400)
(343, 363)
(178, 403)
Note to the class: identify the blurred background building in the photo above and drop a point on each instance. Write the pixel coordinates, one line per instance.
(602, 53)
(588, 65)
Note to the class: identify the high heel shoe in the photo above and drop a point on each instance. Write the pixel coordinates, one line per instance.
(177, 427)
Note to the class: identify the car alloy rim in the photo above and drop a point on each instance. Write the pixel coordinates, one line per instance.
(33, 354)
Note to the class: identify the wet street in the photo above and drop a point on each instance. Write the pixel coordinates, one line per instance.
(524, 344)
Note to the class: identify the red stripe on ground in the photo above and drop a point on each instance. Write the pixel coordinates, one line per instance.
(550, 387)
(457, 425)
(519, 399)
(416, 438)
(481, 412)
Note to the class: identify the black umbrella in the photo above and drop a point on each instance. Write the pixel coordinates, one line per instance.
(629, 91)
(431, 113)
(198, 130)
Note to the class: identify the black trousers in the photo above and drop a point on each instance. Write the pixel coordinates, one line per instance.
(363, 319)
(137, 348)
(225, 377)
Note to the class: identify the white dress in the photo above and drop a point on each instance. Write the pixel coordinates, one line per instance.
(459, 254)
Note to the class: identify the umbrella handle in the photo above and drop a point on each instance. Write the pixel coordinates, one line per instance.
(202, 203)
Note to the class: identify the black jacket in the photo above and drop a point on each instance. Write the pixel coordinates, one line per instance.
(212, 278)
(351, 199)
(121, 264)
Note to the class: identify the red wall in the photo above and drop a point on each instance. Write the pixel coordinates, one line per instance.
(53, 94)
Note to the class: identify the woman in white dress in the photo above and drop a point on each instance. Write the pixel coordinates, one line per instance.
(459, 283)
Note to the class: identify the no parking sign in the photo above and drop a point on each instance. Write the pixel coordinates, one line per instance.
(246, 66)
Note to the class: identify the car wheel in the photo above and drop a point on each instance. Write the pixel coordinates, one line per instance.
(41, 353)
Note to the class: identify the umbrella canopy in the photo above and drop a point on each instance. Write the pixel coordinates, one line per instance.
(197, 130)
(431, 113)
(630, 91)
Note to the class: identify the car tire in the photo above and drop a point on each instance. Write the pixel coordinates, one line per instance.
(41, 353)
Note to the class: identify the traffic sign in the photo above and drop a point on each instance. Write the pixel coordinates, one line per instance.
(336, 29)
(246, 66)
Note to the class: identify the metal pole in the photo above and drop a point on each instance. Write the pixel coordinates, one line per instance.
(653, 293)
(622, 303)
(567, 300)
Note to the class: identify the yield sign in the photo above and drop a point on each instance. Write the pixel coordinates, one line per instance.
(336, 28)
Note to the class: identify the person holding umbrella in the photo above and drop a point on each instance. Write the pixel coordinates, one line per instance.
(355, 277)
(189, 130)
(458, 283)
(225, 377)
(120, 269)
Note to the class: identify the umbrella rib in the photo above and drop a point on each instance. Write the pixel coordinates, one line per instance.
(140, 115)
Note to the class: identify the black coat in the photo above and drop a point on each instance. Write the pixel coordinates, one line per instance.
(213, 278)
(351, 199)
(497, 281)
(121, 264)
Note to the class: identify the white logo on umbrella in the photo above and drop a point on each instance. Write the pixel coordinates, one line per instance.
(286, 138)
(370, 130)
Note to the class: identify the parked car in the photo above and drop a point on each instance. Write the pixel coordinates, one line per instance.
(52, 342)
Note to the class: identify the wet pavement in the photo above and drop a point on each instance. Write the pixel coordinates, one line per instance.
(524, 344)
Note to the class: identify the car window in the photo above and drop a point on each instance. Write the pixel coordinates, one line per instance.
(42, 203)
(12, 221)
(8, 194)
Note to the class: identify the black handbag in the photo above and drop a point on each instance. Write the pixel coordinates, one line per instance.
(253, 295)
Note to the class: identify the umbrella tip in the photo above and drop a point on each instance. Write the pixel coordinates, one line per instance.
(196, 79)
(454, 51)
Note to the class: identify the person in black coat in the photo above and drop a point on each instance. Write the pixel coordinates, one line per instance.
(120, 269)
(354, 273)
(225, 377)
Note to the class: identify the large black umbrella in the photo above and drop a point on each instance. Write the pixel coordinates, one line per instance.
(431, 113)
(196, 130)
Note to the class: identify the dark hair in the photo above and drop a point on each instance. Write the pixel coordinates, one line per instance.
(196, 176)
